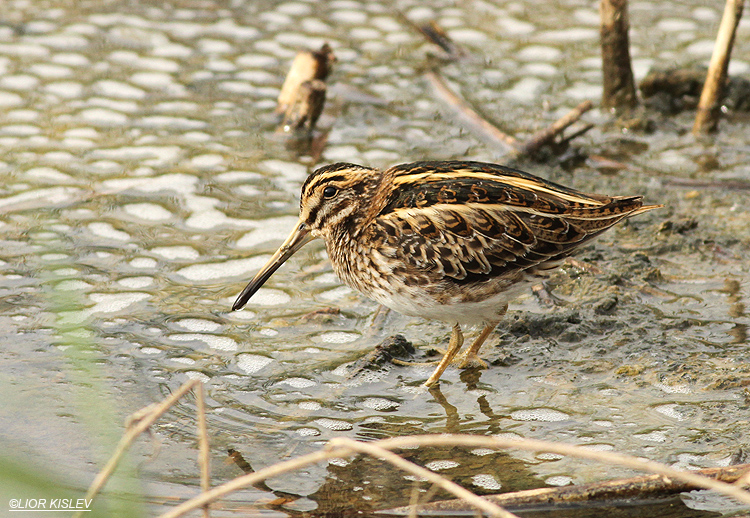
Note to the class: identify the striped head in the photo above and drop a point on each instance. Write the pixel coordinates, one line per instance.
(337, 201)
(339, 198)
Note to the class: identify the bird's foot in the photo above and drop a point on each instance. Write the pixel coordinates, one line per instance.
(470, 361)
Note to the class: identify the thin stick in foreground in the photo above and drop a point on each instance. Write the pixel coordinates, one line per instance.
(707, 116)
(203, 446)
(137, 423)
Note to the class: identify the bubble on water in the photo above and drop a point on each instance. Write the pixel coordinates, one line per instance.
(252, 363)
(438, 465)
(195, 375)
(270, 229)
(48, 174)
(54, 257)
(297, 382)
(143, 262)
(598, 447)
(114, 302)
(206, 162)
(655, 436)
(671, 410)
(199, 325)
(701, 48)
(486, 481)
(103, 117)
(236, 176)
(221, 343)
(150, 350)
(19, 82)
(10, 99)
(148, 211)
(72, 285)
(118, 89)
(20, 130)
(308, 432)
(379, 403)
(334, 424)
(482, 451)
(310, 405)
(184, 360)
(559, 481)
(335, 294)
(176, 252)
(236, 267)
(269, 297)
(338, 337)
(136, 282)
(549, 456)
(337, 461)
(539, 414)
(107, 231)
(673, 389)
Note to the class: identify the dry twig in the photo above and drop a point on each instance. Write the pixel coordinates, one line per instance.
(479, 124)
(204, 458)
(547, 135)
(490, 133)
(136, 424)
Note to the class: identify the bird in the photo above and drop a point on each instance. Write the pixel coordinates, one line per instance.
(453, 241)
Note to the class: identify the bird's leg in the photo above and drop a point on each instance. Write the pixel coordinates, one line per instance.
(471, 356)
(457, 340)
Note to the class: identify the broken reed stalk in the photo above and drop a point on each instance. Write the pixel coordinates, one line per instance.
(135, 425)
(342, 448)
(490, 133)
(485, 129)
(306, 66)
(303, 93)
(707, 115)
(617, 73)
(548, 134)
(303, 113)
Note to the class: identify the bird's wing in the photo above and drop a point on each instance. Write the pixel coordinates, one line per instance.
(471, 221)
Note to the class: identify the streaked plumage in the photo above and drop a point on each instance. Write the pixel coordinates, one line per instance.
(452, 241)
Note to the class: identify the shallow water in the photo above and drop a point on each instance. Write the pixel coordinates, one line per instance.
(144, 185)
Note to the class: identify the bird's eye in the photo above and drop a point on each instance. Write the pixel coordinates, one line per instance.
(330, 191)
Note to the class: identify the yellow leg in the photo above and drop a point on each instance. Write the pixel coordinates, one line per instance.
(457, 340)
(470, 357)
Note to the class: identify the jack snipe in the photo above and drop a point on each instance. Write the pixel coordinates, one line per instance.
(452, 241)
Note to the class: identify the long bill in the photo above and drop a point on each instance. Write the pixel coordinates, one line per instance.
(296, 240)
